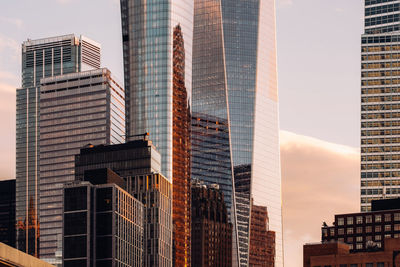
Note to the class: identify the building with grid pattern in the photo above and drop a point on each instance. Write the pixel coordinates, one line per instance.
(103, 225)
(76, 109)
(155, 192)
(366, 230)
(40, 58)
(380, 102)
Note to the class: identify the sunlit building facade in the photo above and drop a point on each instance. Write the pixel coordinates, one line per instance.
(41, 58)
(157, 48)
(235, 83)
(380, 102)
(76, 109)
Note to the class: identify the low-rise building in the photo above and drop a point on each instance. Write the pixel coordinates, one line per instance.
(339, 254)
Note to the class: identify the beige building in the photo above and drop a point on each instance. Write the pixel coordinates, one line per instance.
(13, 257)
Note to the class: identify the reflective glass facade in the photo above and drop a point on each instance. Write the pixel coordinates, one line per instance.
(40, 58)
(157, 47)
(76, 109)
(235, 81)
(380, 102)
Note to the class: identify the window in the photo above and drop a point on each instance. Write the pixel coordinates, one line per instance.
(340, 221)
(388, 236)
(359, 246)
(359, 219)
(368, 219)
(341, 231)
(324, 232)
(359, 238)
(388, 217)
(397, 216)
(343, 265)
(350, 230)
(359, 230)
(332, 231)
(369, 264)
(397, 227)
(380, 264)
(378, 237)
(350, 239)
(349, 220)
(353, 265)
(368, 229)
(388, 228)
(378, 218)
(341, 239)
(378, 228)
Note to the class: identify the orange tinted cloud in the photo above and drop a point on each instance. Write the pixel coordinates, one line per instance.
(319, 179)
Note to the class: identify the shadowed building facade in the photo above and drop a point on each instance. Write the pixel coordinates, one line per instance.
(40, 59)
(211, 229)
(157, 49)
(7, 212)
(102, 225)
(235, 83)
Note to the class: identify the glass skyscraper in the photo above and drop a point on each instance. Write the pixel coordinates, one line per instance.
(157, 47)
(40, 58)
(235, 90)
(380, 102)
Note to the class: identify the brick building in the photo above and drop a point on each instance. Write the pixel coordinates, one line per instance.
(211, 231)
(339, 254)
(262, 240)
(366, 230)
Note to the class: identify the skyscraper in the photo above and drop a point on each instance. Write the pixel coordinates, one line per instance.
(103, 226)
(235, 82)
(155, 192)
(76, 109)
(157, 47)
(40, 58)
(380, 88)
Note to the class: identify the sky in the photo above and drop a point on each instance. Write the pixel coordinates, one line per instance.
(319, 96)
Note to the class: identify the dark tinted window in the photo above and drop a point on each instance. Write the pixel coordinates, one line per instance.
(75, 198)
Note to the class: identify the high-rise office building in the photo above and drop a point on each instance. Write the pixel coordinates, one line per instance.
(129, 159)
(155, 192)
(7, 212)
(157, 47)
(102, 226)
(40, 58)
(211, 229)
(76, 109)
(380, 87)
(235, 82)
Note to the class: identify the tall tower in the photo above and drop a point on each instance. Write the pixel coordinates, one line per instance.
(380, 106)
(76, 109)
(235, 107)
(40, 58)
(158, 82)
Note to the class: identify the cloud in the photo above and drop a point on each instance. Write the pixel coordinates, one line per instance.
(319, 179)
(13, 21)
